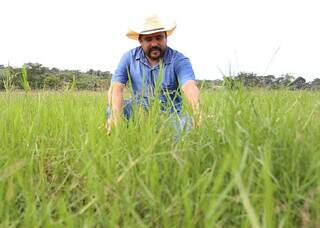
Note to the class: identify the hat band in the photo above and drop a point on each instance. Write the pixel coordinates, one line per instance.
(152, 30)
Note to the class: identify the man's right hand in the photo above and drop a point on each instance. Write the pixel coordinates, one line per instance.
(115, 100)
(111, 123)
(108, 126)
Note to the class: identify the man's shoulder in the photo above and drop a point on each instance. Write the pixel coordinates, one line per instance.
(174, 55)
(133, 53)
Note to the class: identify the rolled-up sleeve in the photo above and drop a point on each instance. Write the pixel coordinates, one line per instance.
(121, 74)
(184, 70)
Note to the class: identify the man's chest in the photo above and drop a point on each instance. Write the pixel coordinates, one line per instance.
(142, 75)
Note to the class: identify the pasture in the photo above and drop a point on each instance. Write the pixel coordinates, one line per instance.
(253, 162)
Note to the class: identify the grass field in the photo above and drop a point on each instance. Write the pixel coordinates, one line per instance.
(254, 162)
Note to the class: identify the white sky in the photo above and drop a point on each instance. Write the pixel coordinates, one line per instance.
(241, 35)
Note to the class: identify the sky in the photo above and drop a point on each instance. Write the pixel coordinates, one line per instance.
(220, 37)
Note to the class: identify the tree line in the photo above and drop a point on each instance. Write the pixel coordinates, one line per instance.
(253, 80)
(41, 77)
(36, 76)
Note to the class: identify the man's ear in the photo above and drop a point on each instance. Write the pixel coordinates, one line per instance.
(139, 38)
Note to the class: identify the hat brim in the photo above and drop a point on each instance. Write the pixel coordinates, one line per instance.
(134, 35)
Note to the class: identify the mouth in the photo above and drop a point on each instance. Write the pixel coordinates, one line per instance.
(155, 52)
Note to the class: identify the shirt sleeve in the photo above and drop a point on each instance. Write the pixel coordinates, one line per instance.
(183, 70)
(121, 72)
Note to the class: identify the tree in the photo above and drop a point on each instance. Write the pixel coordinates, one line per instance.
(248, 79)
(52, 82)
(298, 83)
(315, 84)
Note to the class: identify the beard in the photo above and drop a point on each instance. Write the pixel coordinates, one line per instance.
(155, 53)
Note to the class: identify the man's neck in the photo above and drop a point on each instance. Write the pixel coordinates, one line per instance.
(153, 62)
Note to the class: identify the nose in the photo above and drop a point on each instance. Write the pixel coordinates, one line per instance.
(154, 43)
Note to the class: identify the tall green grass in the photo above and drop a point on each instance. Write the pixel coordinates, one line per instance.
(24, 79)
(8, 77)
(254, 162)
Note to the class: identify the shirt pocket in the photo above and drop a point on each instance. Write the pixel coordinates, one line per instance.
(169, 82)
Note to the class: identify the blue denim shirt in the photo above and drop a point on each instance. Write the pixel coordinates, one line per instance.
(173, 71)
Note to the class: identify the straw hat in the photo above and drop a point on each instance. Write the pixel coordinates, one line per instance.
(151, 25)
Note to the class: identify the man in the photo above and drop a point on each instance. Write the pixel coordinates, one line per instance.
(145, 66)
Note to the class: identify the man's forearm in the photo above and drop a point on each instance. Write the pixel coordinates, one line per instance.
(191, 92)
(116, 101)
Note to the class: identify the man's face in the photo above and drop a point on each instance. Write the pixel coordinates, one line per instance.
(154, 45)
